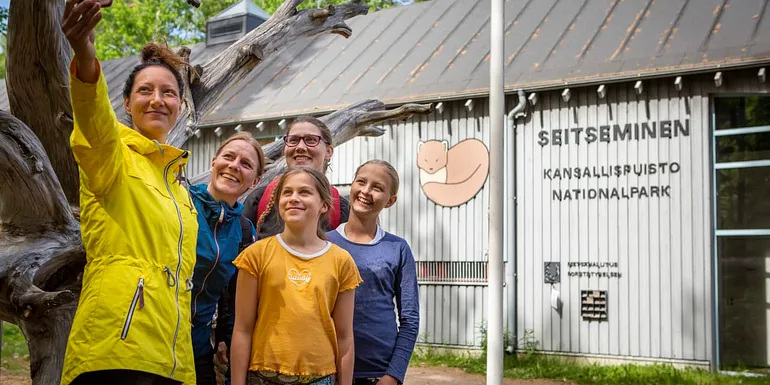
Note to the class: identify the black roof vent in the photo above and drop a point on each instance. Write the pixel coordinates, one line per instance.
(234, 22)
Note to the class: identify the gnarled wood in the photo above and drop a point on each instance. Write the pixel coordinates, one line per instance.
(41, 254)
(345, 124)
(31, 199)
(235, 62)
(37, 80)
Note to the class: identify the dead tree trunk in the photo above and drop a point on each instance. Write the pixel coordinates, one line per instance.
(37, 80)
(41, 252)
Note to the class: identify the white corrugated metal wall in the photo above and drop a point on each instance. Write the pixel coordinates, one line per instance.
(660, 306)
(203, 149)
(450, 244)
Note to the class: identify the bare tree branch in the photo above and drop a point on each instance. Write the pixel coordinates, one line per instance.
(235, 62)
(345, 124)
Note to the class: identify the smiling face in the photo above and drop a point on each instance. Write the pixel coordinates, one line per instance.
(304, 155)
(233, 171)
(300, 202)
(371, 191)
(154, 102)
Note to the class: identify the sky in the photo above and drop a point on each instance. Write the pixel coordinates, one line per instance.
(4, 3)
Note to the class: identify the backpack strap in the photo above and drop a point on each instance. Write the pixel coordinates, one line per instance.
(336, 215)
(247, 238)
(265, 199)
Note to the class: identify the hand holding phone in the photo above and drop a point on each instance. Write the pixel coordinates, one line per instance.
(102, 3)
(78, 23)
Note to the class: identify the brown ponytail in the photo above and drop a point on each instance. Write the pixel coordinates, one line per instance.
(157, 55)
(153, 52)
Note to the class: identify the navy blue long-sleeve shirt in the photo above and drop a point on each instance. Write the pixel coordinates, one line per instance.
(383, 347)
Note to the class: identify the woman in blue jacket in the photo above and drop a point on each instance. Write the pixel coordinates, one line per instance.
(222, 233)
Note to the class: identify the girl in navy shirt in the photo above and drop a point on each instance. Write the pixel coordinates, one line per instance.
(386, 264)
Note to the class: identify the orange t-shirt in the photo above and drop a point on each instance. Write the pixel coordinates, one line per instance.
(296, 294)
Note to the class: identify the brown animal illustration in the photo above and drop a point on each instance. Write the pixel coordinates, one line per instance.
(452, 176)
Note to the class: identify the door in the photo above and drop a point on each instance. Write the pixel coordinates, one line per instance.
(741, 154)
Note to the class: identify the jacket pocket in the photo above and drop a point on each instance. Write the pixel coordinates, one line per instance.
(138, 299)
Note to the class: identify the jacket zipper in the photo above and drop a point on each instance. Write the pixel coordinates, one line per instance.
(179, 259)
(216, 260)
(138, 297)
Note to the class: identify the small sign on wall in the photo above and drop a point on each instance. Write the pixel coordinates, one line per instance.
(593, 305)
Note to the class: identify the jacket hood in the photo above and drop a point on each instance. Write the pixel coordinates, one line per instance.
(211, 206)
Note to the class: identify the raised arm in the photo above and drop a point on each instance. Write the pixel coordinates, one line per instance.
(408, 303)
(78, 25)
(343, 324)
(95, 138)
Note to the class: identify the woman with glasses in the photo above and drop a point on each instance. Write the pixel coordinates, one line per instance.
(308, 142)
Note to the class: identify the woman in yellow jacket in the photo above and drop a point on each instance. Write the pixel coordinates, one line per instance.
(139, 226)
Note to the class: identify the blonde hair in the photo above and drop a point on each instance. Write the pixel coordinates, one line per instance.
(389, 169)
(322, 186)
(246, 136)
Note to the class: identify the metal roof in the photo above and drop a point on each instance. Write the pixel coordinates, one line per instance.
(245, 7)
(439, 49)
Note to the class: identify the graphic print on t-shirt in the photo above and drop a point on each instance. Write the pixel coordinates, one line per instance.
(299, 278)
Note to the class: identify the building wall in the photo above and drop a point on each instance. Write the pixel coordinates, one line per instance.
(658, 248)
(656, 251)
(449, 244)
(203, 149)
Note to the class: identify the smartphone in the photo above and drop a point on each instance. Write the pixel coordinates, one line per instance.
(103, 3)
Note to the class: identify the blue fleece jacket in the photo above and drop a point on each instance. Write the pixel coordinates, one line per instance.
(219, 238)
(388, 269)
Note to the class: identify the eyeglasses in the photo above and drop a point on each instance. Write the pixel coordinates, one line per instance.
(310, 140)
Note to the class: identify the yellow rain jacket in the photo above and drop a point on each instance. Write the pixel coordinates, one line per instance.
(139, 229)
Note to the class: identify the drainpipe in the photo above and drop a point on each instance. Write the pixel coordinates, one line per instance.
(518, 111)
(510, 268)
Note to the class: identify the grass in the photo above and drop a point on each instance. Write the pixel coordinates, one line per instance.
(535, 366)
(15, 356)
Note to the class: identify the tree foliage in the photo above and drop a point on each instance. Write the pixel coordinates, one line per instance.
(129, 24)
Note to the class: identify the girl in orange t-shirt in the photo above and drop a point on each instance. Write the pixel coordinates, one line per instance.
(295, 295)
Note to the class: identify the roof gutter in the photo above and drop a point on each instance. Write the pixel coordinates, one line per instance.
(531, 87)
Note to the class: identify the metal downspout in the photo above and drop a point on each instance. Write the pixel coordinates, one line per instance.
(510, 268)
